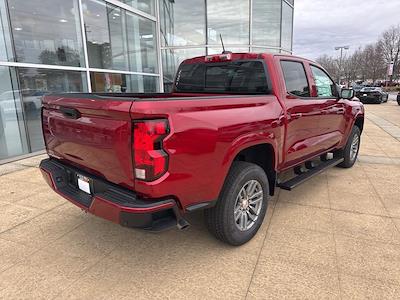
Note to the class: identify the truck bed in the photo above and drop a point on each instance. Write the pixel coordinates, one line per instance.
(99, 138)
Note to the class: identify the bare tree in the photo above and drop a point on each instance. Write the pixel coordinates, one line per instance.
(330, 64)
(390, 45)
(352, 65)
(375, 62)
(369, 62)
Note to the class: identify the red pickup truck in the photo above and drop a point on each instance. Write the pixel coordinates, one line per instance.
(221, 141)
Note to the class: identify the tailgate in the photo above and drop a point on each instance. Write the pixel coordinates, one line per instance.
(91, 132)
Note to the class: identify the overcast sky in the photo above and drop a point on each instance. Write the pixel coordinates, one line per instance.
(320, 25)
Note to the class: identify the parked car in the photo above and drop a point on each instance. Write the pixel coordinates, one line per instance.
(221, 141)
(372, 95)
(398, 98)
(357, 88)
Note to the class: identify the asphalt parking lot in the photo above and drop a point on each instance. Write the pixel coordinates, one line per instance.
(337, 236)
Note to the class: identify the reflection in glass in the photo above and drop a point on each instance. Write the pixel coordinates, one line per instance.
(267, 22)
(123, 83)
(229, 18)
(141, 44)
(287, 26)
(146, 6)
(325, 85)
(47, 32)
(5, 41)
(172, 58)
(34, 83)
(218, 50)
(12, 133)
(103, 25)
(183, 22)
(264, 50)
(117, 39)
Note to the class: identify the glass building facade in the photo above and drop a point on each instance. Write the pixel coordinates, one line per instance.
(116, 46)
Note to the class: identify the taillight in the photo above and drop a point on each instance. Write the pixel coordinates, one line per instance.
(150, 160)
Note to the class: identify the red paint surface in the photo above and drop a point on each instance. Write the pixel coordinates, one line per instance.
(205, 134)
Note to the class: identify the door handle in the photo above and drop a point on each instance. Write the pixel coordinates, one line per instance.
(278, 122)
(70, 113)
(296, 115)
(340, 111)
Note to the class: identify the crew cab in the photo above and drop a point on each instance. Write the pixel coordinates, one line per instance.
(230, 133)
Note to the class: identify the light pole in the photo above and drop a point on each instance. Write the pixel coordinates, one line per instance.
(341, 48)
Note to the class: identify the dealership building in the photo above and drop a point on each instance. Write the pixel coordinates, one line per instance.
(116, 46)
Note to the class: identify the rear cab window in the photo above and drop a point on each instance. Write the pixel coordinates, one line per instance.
(236, 77)
(295, 78)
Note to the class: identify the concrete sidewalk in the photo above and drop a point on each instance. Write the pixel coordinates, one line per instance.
(337, 236)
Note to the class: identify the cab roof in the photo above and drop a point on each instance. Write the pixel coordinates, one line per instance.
(246, 56)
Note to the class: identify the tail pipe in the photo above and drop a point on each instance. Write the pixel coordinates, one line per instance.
(181, 222)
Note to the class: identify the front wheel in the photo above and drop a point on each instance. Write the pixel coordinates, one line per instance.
(242, 205)
(350, 151)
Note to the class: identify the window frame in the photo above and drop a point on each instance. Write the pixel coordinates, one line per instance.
(305, 73)
(311, 65)
(265, 67)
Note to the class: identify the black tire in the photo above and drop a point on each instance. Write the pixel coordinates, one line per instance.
(346, 152)
(220, 219)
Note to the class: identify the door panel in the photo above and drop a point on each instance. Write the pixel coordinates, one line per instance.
(333, 109)
(307, 135)
(314, 115)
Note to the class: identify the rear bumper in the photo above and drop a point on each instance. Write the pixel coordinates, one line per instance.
(109, 201)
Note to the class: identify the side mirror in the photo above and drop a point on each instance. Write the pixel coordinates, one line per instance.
(347, 94)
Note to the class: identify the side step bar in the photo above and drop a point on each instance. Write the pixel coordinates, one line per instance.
(296, 181)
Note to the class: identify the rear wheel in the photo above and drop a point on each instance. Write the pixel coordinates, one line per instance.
(242, 205)
(350, 151)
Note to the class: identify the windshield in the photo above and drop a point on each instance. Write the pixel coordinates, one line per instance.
(370, 89)
(240, 77)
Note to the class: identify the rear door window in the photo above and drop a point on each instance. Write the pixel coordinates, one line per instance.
(242, 77)
(295, 78)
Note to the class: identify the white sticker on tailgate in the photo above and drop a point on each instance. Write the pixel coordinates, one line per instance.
(84, 184)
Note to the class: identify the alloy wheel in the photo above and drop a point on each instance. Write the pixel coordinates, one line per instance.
(248, 205)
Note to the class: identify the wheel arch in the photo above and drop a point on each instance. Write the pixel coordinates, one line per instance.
(263, 155)
(359, 122)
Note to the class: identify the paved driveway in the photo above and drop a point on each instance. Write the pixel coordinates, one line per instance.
(337, 236)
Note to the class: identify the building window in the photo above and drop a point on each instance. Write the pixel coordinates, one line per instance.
(5, 39)
(287, 26)
(47, 32)
(230, 18)
(142, 52)
(267, 22)
(218, 50)
(183, 22)
(12, 134)
(265, 50)
(147, 6)
(34, 83)
(119, 40)
(123, 83)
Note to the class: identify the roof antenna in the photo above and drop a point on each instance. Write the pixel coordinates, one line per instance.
(223, 47)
